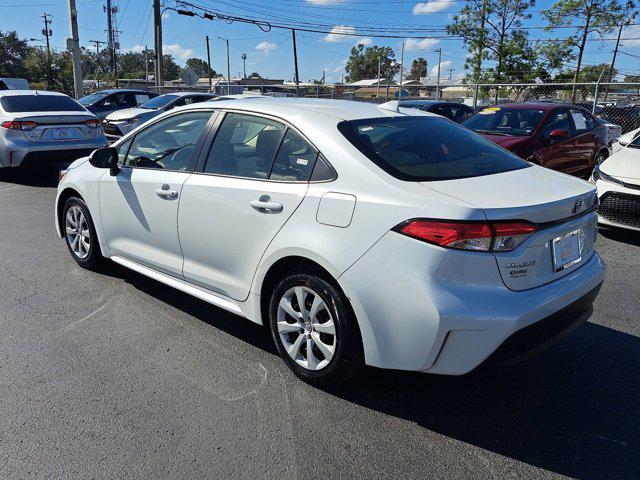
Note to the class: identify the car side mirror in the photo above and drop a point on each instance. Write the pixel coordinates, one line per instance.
(559, 134)
(106, 157)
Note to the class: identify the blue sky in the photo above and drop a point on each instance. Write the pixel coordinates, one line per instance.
(270, 53)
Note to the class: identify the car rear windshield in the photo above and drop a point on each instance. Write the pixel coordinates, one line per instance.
(39, 103)
(505, 121)
(421, 148)
(158, 102)
(93, 98)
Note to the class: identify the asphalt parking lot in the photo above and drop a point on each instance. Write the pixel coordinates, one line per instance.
(116, 376)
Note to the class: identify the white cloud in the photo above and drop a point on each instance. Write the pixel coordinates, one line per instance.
(421, 44)
(178, 51)
(443, 66)
(431, 6)
(339, 33)
(364, 41)
(266, 47)
(632, 31)
(135, 49)
(166, 16)
(339, 68)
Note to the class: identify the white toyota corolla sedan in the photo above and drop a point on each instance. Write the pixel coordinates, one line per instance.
(359, 234)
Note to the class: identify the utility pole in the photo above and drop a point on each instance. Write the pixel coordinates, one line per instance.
(157, 28)
(97, 43)
(244, 65)
(47, 32)
(401, 71)
(228, 66)
(112, 38)
(439, 50)
(378, 86)
(74, 45)
(209, 62)
(295, 61)
(146, 67)
(613, 60)
(450, 70)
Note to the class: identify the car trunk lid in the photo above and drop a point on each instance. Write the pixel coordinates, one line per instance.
(58, 126)
(561, 207)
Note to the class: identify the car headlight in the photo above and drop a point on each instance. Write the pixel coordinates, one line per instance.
(133, 120)
(600, 175)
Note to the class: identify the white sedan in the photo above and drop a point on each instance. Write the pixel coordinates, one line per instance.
(618, 182)
(359, 234)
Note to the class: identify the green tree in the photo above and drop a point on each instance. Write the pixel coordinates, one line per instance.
(13, 53)
(200, 67)
(170, 69)
(499, 39)
(587, 16)
(418, 69)
(363, 63)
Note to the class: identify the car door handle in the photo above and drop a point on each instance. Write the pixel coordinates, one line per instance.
(266, 206)
(166, 192)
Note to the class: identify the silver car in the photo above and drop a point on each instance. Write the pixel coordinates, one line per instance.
(122, 122)
(45, 127)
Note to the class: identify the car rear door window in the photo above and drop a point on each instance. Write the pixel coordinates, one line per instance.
(245, 146)
(295, 160)
(168, 144)
(582, 121)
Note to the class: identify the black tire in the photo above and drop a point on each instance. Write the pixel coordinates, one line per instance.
(348, 357)
(599, 158)
(93, 259)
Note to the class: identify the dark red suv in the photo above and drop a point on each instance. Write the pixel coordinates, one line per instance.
(561, 137)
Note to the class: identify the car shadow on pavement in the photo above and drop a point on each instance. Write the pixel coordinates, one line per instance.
(621, 235)
(572, 411)
(32, 177)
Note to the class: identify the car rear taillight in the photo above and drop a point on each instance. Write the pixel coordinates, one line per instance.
(477, 236)
(93, 123)
(19, 125)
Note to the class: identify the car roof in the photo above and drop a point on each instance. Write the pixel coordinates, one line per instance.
(12, 93)
(293, 108)
(534, 106)
(120, 90)
(429, 102)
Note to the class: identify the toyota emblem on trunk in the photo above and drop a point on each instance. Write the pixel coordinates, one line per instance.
(577, 206)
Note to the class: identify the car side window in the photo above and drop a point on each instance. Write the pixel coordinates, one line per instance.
(141, 98)
(168, 144)
(244, 146)
(295, 159)
(582, 121)
(559, 120)
(123, 149)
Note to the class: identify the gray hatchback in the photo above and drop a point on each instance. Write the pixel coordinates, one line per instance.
(45, 127)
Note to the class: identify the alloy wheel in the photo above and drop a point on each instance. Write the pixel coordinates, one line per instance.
(77, 230)
(306, 328)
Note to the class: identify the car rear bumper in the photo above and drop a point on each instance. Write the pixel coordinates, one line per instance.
(33, 154)
(420, 311)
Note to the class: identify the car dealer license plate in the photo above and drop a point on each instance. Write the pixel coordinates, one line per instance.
(566, 250)
(63, 134)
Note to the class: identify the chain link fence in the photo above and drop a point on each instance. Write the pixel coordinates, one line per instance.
(616, 103)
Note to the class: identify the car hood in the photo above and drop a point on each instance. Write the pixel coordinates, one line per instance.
(623, 164)
(505, 141)
(128, 113)
(533, 193)
(629, 136)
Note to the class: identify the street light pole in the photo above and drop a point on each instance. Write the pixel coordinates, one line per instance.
(244, 65)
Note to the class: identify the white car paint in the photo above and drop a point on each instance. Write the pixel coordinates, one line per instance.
(419, 306)
(619, 177)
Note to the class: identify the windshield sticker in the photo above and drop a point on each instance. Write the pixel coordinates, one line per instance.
(489, 111)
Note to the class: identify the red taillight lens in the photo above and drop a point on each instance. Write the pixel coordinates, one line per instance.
(94, 123)
(479, 236)
(18, 125)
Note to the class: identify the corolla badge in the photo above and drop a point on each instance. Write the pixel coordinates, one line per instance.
(577, 206)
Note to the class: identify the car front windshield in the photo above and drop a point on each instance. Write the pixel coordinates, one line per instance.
(505, 121)
(93, 98)
(636, 141)
(422, 148)
(158, 102)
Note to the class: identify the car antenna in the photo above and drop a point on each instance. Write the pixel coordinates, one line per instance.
(391, 106)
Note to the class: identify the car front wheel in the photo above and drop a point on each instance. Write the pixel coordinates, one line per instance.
(315, 330)
(80, 234)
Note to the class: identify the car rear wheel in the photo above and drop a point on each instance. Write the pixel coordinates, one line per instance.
(314, 329)
(80, 234)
